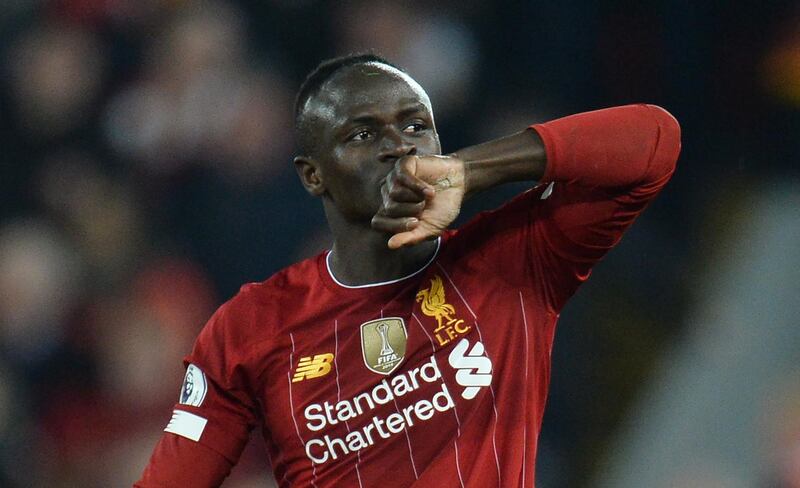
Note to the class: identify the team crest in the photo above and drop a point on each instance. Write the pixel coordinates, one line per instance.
(383, 344)
(433, 303)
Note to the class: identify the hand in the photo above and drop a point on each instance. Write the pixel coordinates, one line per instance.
(422, 195)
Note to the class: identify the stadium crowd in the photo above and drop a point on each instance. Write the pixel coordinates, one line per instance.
(146, 175)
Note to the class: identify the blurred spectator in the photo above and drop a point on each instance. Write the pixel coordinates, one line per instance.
(146, 173)
(102, 214)
(198, 99)
(439, 51)
(56, 72)
(40, 278)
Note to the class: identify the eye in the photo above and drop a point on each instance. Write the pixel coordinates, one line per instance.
(414, 127)
(361, 135)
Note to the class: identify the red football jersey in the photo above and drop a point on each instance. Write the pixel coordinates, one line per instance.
(436, 379)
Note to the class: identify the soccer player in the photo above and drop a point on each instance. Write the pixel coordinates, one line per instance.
(409, 354)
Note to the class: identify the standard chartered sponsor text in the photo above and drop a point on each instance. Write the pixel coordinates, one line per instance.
(318, 416)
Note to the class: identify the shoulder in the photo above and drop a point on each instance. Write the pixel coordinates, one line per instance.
(251, 315)
(286, 283)
(501, 242)
(511, 217)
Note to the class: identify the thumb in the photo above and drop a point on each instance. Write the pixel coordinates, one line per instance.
(408, 238)
(409, 164)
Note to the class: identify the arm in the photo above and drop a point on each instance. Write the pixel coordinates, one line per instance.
(442, 182)
(518, 157)
(177, 461)
(611, 149)
(212, 420)
(603, 169)
(606, 167)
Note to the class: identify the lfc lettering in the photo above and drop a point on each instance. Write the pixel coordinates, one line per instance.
(447, 332)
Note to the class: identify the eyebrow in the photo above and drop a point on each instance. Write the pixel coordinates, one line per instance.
(368, 119)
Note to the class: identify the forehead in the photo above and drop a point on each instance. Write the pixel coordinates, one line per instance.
(369, 87)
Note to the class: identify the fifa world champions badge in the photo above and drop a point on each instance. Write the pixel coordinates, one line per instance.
(383, 344)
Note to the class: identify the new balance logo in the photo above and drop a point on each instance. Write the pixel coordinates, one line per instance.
(309, 367)
(474, 369)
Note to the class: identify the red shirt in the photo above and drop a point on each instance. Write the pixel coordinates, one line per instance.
(436, 379)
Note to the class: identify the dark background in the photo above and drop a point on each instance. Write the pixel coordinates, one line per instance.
(146, 174)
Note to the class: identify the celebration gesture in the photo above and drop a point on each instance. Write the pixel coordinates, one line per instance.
(422, 195)
(362, 127)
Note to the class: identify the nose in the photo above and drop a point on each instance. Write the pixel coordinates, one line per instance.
(394, 146)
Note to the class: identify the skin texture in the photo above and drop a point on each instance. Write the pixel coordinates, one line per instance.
(376, 163)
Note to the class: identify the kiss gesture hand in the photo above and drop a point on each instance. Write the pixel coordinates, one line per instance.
(422, 195)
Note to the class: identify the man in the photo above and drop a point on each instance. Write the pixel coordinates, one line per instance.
(412, 355)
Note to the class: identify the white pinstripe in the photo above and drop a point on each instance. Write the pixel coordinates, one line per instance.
(339, 389)
(455, 409)
(446, 275)
(496, 417)
(405, 430)
(491, 387)
(408, 439)
(433, 348)
(458, 421)
(458, 468)
(291, 406)
(525, 424)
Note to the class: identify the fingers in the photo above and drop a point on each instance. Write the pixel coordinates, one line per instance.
(397, 214)
(409, 238)
(399, 209)
(407, 179)
(403, 197)
(403, 184)
(391, 225)
(400, 193)
(410, 212)
(395, 205)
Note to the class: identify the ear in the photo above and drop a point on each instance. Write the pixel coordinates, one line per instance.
(310, 175)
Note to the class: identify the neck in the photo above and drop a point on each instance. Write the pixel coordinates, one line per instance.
(361, 256)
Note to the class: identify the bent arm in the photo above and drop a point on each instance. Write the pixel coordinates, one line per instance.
(619, 158)
(601, 169)
(609, 148)
(605, 168)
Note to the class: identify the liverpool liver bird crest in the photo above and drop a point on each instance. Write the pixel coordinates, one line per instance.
(433, 304)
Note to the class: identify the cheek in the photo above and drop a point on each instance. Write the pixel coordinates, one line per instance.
(429, 145)
(352, 180)
(349, 169)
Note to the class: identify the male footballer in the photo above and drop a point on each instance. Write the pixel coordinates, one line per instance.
(410, 355)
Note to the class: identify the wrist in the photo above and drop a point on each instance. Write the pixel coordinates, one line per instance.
(518, 157)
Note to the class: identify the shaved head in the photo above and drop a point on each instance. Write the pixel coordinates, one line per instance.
(335, 80)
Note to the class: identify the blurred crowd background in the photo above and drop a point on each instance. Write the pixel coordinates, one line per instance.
(146, 174)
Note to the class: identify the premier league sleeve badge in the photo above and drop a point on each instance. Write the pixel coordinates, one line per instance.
(194, 387)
